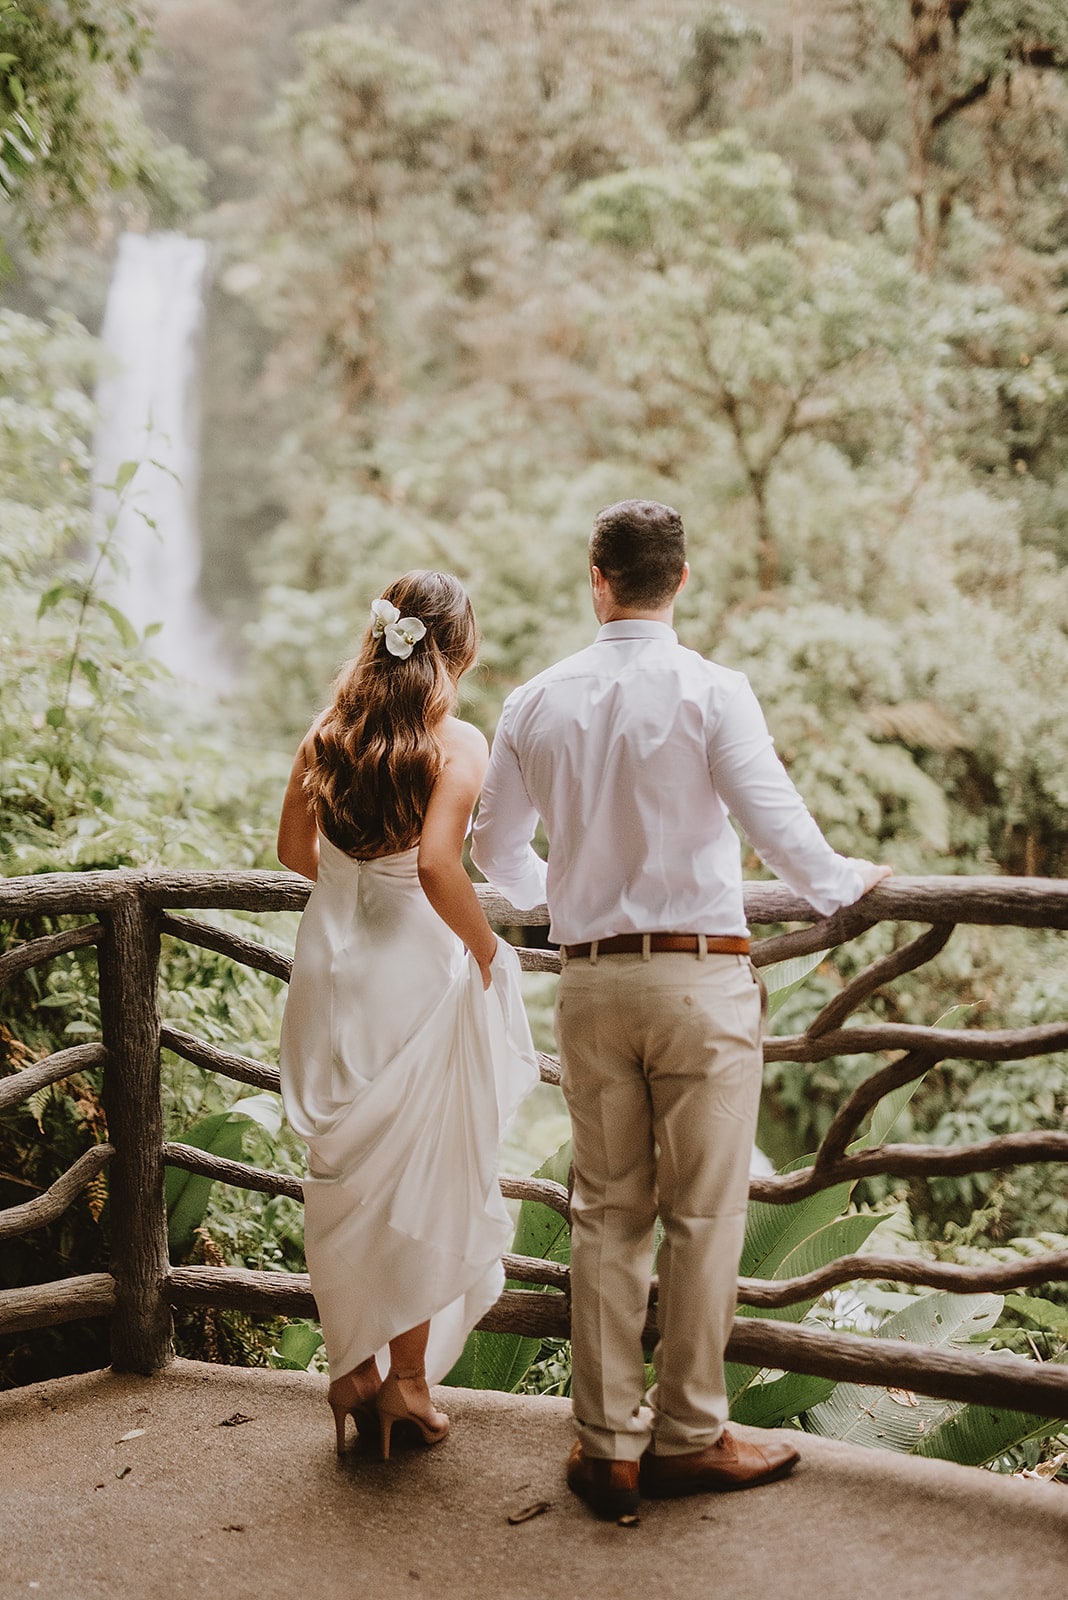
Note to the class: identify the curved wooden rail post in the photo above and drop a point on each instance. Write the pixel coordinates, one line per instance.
(129, 962)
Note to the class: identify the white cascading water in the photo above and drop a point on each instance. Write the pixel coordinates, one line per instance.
(147, 411)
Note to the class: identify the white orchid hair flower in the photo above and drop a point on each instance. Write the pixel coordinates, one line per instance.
(401, 634)
(383, 613)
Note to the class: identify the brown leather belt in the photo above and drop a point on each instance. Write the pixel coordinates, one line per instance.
(633, 944)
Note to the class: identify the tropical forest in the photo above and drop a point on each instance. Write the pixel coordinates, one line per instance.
(449, 279)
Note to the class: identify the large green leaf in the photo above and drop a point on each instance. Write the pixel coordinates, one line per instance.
(187, 1193)
(493, 1361)
(502, 1360)
(784, 978)
(557, 1167)
(772, 1235)
(1040, 1313)
(540, 1231)
(264, 1109)
(770, 1404)
(887, 1112)
(895, 1419)
(296, 1346)
(975, 1435)
(842, 1237)
(771, 1232)
(944, 1318)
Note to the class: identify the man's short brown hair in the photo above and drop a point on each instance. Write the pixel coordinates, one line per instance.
(640, 548)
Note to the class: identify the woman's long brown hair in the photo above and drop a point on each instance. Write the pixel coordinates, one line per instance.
(377, 751)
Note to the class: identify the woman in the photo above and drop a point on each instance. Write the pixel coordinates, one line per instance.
(405, 1046)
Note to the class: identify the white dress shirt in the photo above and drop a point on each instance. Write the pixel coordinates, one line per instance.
(633, 752)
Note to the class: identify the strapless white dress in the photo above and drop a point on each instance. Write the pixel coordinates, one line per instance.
(400, 1073)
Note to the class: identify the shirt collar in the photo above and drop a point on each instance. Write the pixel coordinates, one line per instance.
(635, 628)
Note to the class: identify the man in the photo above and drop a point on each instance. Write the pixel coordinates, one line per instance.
(633, 752)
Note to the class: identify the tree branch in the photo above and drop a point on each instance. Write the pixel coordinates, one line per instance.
(961, 102)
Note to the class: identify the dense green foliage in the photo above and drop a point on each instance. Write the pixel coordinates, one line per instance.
(511, 268)
(479, 271)
(102, 765)
(481, 348)
(71, 128)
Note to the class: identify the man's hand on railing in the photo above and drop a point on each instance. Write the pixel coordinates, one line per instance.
(873, 872)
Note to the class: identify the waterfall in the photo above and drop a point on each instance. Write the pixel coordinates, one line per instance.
(146, 402)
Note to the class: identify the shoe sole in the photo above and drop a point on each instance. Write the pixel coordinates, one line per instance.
(609, 1506)
(677, 1490)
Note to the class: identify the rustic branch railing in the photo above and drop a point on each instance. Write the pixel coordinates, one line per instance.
(133, 910)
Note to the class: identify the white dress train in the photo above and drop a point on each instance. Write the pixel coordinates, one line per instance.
(400, 1072)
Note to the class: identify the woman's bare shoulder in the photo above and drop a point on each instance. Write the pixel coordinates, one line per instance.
(306, 749)
(464, 739)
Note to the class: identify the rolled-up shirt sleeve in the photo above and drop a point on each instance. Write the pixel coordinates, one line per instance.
(507, 817)
(757, 790)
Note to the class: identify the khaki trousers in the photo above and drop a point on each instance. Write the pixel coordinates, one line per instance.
(662, 1072)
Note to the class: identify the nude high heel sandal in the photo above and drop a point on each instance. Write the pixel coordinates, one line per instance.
(404, 1397)
(353, 1395)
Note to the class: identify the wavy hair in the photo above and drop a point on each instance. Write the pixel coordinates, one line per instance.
(377, 750)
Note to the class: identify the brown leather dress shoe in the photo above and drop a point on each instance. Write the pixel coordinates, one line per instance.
(730, 1463)
(609, 1488)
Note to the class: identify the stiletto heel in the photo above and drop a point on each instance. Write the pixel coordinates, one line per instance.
(347, 1396)
(340, 1413)
(394, 1405)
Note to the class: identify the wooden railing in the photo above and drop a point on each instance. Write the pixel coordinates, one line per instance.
(133, 910)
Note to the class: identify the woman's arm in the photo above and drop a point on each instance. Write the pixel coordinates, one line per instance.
(441, 869)
(298, 836)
